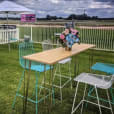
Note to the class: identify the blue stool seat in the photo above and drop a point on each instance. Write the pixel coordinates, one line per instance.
(104, 67)
(36, 67)
(40, 68)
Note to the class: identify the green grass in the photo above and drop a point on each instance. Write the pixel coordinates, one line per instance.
(11, 71)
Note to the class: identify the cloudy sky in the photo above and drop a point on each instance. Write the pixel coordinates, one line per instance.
(100, 8)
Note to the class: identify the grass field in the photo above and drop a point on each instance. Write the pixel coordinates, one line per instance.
(11, 71)
(62, 22)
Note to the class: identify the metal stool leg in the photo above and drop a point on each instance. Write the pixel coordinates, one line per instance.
(98, 100)
(20, 82)
(42, 83)
(73, 110)
(83, 97)
(109, 101)
(111, 91)
(55, 72)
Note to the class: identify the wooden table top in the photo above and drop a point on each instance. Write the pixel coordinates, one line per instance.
(54, 55)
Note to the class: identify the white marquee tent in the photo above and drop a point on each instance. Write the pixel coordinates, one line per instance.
(8, 7)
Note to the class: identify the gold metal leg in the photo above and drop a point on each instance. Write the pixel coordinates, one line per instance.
(26, 94)
(52, 81)
(44, 81)
(52, 73)
(50, 91)
(76, 66)
(90, 59)
(24, 89)
(51, 87)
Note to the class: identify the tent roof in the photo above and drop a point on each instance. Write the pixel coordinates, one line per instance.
(11, 7)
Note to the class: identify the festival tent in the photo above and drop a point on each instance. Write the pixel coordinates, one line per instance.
(8, 7)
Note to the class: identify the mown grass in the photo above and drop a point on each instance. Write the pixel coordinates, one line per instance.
(11, 71)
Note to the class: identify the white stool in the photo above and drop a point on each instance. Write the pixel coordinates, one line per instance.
(98, 81)
(46, 45)
(63, 76)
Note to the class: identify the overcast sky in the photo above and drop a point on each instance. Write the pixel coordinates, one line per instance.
(100, 8)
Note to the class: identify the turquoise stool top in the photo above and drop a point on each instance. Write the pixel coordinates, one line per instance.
(34, 66)
(26, 48)
(104, 67)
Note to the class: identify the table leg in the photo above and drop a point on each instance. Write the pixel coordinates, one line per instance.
(76, 66)
(90, 59)
(51, 86)
(24, 89)
(44, 81)
(26, 94)
(50, 89)
(52, 76)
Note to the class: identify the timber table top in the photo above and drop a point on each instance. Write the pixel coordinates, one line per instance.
(54, 55)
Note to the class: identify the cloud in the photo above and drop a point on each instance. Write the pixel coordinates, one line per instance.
(100, 5)
(111, 2)
(55, 1)
(101, 12)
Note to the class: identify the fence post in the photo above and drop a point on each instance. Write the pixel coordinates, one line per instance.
(31, 32)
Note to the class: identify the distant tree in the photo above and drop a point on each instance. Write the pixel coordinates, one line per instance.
(60, 17)
(81, 17)
(54, 17)
(48, 17)
(94, 17)
(72, 16)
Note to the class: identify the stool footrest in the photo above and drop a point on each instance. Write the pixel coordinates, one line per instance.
(33, 101)
(42, 96)
(63, 76)
(94, 97)
(58, 86)
(90, 103)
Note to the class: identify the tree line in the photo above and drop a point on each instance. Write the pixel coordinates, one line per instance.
(70, 17)
(75, 17)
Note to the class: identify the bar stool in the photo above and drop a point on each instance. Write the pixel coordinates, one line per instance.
(62, 76)
(107, 68)
(46, 45)
(26, 48)
(98, 81)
